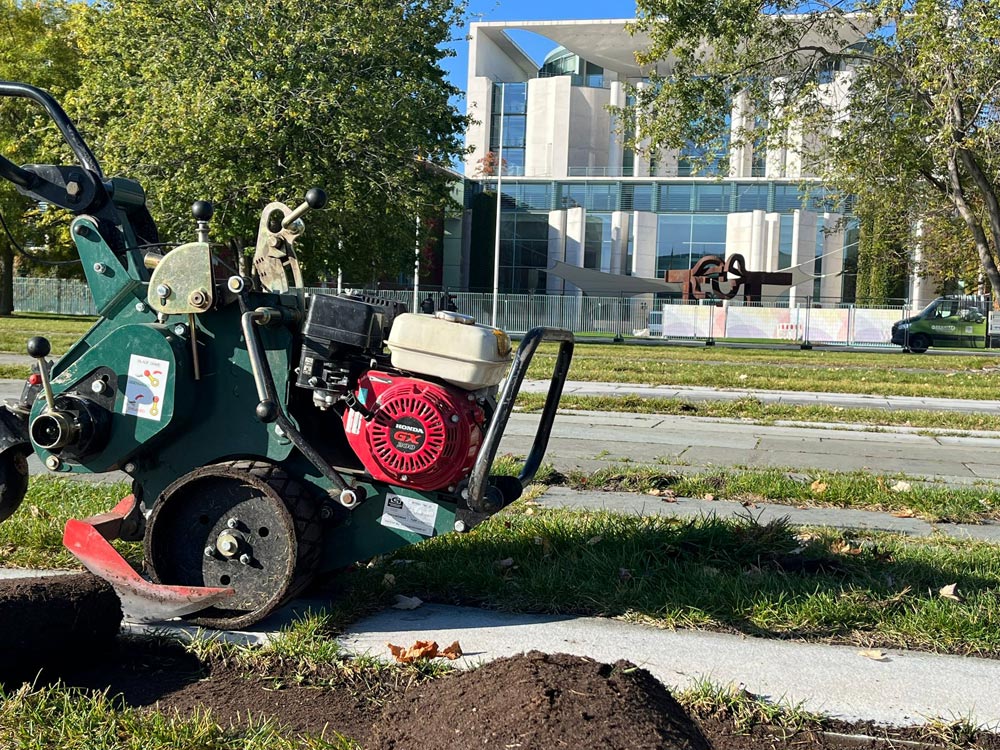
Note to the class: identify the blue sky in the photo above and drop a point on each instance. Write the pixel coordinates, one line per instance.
(527, 10)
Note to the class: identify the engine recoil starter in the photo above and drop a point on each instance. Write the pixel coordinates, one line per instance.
(418, 434)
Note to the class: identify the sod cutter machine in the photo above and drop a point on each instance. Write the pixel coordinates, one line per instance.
(269, 434)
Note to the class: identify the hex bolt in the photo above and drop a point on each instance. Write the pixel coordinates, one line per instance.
(245, 559)
(233, 522)
(98, 387)
(52, 463)
(460, 526)
(100, 268)
(130, 467)
(163, 291)
(455, 418)
(209, 552)
(180, 329)
(141, 307)
(73, 190)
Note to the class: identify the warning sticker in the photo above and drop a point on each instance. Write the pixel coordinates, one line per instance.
(409, 514)
(145, 387)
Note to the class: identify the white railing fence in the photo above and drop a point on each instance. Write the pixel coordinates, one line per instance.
(608, 316)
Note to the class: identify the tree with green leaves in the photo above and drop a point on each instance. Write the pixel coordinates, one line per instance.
(38, 48)
(896, 102)
(248, 101)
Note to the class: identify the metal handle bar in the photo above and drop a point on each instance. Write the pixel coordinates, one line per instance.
(60, 118)
(484, 461)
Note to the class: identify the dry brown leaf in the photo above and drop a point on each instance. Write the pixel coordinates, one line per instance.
(950, 592)
(529, 511)
(901, 486)
(419, 650)
(819, 487)
(709, 496)
(903, 513)
(407, 602)
(842, 547)
(452, 652)
(748, 504)
(875, 654)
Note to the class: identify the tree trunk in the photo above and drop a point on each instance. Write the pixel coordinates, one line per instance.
(6, 279)
(975, 226)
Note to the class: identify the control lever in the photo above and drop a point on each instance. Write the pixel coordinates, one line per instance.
(39, 348)
(315, 199)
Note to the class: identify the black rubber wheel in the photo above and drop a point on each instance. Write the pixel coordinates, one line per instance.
(920, 343)
(244, 525)
(13, 481)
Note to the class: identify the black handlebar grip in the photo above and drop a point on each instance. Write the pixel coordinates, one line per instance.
(316, 198)
(39, 347)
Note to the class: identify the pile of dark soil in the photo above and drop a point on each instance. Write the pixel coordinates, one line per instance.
(540, 700)
(55, 621)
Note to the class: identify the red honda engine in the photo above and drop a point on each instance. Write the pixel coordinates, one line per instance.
(417, 434)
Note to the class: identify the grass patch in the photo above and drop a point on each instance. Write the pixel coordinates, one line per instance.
(951, 376)
(72, 719)
(32, 537)
(62, 331)
(867, 589)
(746, 711)
(802, 487)
(762, 413)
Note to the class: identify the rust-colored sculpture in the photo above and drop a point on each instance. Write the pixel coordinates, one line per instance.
(715, 277)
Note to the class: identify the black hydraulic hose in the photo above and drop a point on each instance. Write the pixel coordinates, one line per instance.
(13, 173)
(269, 409)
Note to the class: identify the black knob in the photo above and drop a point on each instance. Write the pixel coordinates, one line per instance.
(202, 210)
(267, 411)
(39, 347)
(316, 198)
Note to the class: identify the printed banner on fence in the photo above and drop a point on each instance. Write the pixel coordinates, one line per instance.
(760, 323)
(874, 326)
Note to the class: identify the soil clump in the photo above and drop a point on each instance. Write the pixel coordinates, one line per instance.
(55, 621)
(540, 700)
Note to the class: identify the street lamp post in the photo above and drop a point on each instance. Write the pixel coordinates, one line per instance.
(496, 231)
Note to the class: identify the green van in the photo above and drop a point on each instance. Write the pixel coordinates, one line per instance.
(949, 322)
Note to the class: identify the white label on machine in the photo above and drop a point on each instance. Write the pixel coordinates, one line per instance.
(409, 514)
(145, 387)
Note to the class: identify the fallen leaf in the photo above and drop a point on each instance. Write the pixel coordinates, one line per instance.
(901, 486)
(419, 650)
(875, 654)
(819, 487)
(529, 511)
(844, 548)
(37, 512)
(507, 562)
(748, 504)
(407, 602)
(709, 496)
(594, 540)
(452, 652)
(903, 513)
(950, 592)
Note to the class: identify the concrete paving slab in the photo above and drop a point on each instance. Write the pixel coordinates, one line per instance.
(905, 688)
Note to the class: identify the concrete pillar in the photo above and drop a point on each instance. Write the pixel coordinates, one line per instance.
(557, 249)
(803, 251)
(832, 283)
(619, 242)
(576, 232)
(615, 150)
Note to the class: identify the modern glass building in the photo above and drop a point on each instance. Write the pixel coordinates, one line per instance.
(571, 192)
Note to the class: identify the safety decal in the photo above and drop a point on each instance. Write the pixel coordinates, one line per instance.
(409, 514)
(145, 387)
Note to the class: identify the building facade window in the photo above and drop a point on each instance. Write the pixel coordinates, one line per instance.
(515, 125)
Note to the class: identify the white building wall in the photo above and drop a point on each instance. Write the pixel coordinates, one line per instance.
(589, 125)
(644, 244)
(547, 145)
(832, 283)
